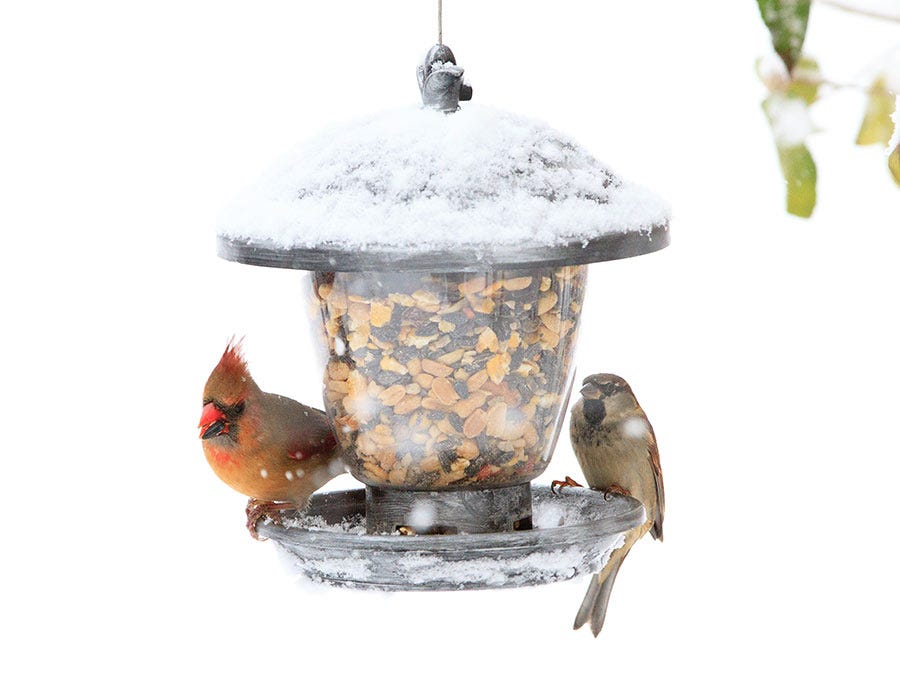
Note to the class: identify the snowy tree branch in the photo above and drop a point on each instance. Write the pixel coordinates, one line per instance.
(872, 88)
(882, 14)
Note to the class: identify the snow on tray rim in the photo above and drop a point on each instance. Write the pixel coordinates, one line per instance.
(554, 517)
(422, 180)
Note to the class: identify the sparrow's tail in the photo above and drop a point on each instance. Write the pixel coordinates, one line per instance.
(593, 606)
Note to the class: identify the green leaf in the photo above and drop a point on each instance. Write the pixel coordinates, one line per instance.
(788, 118)
(799, 172)
(877, 126)
(805, 80)
(786, 21)
(894, 164)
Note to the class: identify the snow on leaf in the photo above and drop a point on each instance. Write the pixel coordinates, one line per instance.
(803, 83)
(786, 21)
(895, 117)
(789, 119)
(893, 146)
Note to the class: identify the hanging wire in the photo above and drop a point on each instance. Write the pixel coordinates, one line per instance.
(440, 22)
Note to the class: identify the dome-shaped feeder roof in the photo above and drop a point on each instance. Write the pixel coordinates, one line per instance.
(419, 189)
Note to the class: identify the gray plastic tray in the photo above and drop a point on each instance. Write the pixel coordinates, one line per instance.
(574, 533)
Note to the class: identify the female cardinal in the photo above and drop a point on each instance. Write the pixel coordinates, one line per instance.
(269, 447)
(616, 448)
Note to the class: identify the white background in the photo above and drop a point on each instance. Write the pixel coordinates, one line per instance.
(763, 347)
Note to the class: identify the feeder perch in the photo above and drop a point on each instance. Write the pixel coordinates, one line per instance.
(447, 253)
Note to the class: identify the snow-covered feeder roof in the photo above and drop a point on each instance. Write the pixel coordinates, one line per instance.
(419, 189)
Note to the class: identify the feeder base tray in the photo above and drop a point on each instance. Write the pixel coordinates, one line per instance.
(573, 534)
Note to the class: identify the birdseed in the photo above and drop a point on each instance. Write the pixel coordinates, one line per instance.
(437, 381)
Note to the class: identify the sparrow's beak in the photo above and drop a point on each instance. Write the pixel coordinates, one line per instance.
(591, 392)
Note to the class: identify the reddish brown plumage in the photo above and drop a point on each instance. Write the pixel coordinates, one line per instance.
(264, 445)
(232, 361)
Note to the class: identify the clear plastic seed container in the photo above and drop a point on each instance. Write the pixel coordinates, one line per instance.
(450, 380)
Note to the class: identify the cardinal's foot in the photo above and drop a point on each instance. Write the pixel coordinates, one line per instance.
(258, 509)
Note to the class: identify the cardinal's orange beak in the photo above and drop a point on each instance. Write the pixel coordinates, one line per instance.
(212, 421)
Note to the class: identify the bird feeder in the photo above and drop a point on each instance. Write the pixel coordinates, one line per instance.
(447, 253)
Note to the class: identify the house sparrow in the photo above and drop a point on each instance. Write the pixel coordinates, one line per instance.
(616, 449)
(266, 446)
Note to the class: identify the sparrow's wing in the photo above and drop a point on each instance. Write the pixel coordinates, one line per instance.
(653, 451)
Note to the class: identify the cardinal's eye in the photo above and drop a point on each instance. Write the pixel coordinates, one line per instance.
(232, 412)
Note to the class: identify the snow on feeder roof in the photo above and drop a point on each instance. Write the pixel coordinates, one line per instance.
(420, 188)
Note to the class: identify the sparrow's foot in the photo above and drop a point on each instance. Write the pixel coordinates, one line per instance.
(258, 509)
(556, 486)
(614, 489)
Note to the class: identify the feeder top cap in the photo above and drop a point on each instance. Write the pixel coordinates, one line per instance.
(418, 183)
